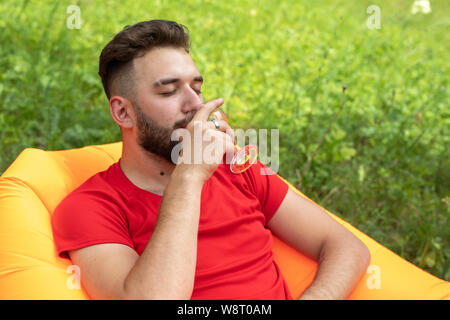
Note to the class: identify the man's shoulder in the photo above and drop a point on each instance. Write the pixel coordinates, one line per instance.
(99, 185)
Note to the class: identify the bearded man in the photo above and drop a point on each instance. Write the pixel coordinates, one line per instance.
(154, 227)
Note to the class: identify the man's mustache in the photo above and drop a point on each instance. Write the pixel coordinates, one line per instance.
(182, 123)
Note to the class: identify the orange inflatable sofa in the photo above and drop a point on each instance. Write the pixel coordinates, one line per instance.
(38, 180)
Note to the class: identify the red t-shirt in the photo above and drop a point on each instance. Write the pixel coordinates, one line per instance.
(234, 248)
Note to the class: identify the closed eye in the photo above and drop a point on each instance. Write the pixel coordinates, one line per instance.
(169, 93)
(166, 94)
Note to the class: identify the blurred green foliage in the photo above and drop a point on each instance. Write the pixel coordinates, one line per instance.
(380, 160)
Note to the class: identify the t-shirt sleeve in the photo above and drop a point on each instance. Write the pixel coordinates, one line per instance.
(85, 219)
(268, 187)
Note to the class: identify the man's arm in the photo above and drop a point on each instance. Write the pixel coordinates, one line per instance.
(166, 268)
(342, 257)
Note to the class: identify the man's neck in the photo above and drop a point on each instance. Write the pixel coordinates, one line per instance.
(144, 169)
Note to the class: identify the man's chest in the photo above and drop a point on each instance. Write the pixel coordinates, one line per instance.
(230, 219)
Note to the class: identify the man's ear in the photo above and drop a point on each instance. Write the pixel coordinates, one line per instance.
(121, 111)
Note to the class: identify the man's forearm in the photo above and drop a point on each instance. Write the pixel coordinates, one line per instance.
(341, 266)
(166, 268)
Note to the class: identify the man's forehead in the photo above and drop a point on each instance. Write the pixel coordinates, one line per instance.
(162, 63)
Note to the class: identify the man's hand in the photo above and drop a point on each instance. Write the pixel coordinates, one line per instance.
(204, 145)
(166, 268)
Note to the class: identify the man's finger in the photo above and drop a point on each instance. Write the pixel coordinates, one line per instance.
(203, 113)
(224, 127)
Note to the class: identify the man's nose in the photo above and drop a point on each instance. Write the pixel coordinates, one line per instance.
(193, 101)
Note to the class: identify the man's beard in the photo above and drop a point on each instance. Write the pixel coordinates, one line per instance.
(155, 138)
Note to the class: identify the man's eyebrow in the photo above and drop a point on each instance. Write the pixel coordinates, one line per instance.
(165, 81)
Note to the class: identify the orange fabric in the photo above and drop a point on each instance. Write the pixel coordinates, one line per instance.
(37, 181)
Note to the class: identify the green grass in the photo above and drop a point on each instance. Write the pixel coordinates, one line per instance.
(381, 162)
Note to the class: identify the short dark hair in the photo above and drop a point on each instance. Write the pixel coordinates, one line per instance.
(116, 59)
